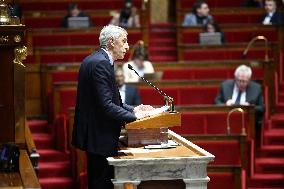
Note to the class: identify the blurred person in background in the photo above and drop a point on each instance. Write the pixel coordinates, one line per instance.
(242, 91)
(272, 16)
(139, 62)
(129, 95)
(199, 15)
(74, 11)
(213, 27)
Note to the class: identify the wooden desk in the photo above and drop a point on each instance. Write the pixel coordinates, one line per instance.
(187, 162)
(25, 178)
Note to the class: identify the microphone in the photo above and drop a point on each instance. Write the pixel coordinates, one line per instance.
(169, 100)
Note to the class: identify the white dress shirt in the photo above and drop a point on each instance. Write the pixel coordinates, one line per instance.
(267, 19)
(122, 91)
(235, 95)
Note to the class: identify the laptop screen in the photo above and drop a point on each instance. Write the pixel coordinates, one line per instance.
(210, 38)
(78, 22)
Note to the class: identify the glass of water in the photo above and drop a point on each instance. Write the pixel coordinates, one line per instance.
(164, 136)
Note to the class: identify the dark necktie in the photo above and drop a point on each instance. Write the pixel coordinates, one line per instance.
(238, 99)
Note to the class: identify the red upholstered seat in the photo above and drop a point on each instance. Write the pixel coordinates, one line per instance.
(181, 95)
(188, 37)
(222, 180)
(209, 123)
(83, 4)
(78, 38)
(222, 54)
(226, 152)
(64, 76)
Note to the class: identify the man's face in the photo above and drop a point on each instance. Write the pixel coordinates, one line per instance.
(119, 77)
(120, 46)
(270, 6)
(203, 10)
(242, 81)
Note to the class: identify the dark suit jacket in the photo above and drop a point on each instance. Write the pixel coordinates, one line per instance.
(276, 19)
(132, 96)
(253, 96)
(99, 112)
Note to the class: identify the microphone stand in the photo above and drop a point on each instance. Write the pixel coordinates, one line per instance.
(169, 101)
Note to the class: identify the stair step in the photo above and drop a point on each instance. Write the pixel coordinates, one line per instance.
(55, 169)
(279, 108)
(274, 137)
(162, 34)
(38, 126)
(50, 155)
(162, 42)
(271, 151)
(269, 165)
(57, 183)
(43, 141)
(277, 120)
(266, 180)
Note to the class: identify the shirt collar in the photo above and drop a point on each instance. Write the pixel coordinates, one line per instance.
(122, 88)
(109, 56)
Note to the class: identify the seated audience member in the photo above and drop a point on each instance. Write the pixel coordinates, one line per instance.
(134, 19)
(127, 18)
(129, 95)
(242, 91)
(199, 15)
(213, 27)
(253, 3)
(272, 16)
(74, 11)
(139, 63)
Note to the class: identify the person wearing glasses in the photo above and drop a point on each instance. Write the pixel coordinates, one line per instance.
(242, 91)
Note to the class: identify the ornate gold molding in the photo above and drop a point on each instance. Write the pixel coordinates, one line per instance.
(20, 55)
(4, 39)
(4, 15)
(17, 38)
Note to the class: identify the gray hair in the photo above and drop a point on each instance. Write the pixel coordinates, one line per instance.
(243, 69)
(110, 31)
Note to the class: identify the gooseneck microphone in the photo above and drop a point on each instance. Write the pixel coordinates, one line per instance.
(149, 83)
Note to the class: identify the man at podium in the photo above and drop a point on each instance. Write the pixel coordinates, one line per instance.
(99, 112)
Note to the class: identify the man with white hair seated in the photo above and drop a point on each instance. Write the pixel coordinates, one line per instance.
(242, 91)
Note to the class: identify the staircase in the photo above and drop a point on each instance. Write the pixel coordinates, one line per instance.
(269, 161)
(54, 166)
(162, 42)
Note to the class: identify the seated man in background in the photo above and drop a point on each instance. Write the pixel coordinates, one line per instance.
(242, 91)
(272, 16)
(74, 11)
(129, 95)
(199, 15)
(139, 63)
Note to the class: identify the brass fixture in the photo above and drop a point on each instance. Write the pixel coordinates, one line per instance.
(4, 14)
(243, 120)
(259, 37)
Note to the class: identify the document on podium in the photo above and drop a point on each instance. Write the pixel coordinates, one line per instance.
(159, 110)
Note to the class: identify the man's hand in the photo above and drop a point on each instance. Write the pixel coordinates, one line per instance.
(143, 107)
(229, 102)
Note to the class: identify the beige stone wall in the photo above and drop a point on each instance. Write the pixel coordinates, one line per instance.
(159, 11)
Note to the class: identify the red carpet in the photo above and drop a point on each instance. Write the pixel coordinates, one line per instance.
(54, 166)
(269, 162)
(162, 43)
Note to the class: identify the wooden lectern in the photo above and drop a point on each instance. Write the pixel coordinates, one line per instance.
(147, 131)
